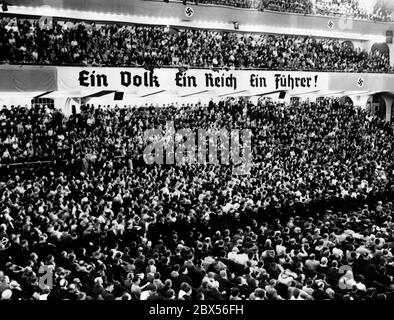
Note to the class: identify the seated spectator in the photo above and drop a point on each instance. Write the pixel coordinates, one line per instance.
(155, 46)
(311, 221)
(350, 8)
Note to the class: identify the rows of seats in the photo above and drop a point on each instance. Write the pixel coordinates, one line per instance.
(318, 197)
(291, 144)
(24, 41)
(349, 8)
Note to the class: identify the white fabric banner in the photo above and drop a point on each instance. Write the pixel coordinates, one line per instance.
(172, 81)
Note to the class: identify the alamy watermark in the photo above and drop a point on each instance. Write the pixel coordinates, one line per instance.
(343, 270)
(45, 277)
(200, 146)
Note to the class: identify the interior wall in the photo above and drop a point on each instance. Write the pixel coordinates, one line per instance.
(15, 101)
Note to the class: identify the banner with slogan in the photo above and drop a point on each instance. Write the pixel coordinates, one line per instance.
(172, 81)
(141, 81)
(183, 82)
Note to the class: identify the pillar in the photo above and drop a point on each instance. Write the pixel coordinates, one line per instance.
(360, 101)
(388, 99)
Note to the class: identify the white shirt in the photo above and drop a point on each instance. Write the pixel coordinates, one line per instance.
(145, 295)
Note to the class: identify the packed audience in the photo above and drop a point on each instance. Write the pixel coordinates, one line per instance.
(23, 41)
(251, 4)
(311, 221)
(350, 8)
(340, 8)
(301, 6)
(383, 11)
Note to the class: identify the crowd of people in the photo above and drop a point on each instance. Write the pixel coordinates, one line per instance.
(383, 11)
(24, 41)
(250, 4)
(340, 8)
(301, 6)
(312, 220)
(349, 8)
(352, 8)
